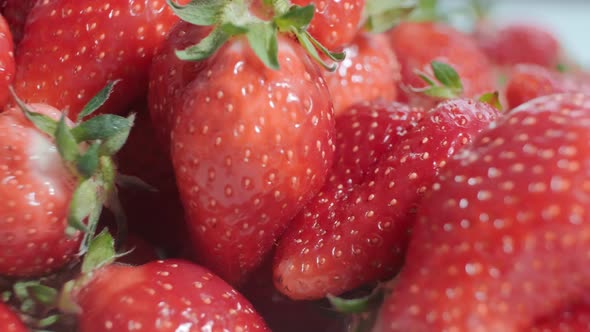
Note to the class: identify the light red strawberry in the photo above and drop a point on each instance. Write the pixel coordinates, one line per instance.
(370, 71)
(356, 230)
(35, 194)
(9, 321)
(519, 43)
(16, 13)
(500, 240)
(163, 296)
(250, 146)
(72, 48)
(418, 44)
(335, 22)
(7, 65)
(527, 82)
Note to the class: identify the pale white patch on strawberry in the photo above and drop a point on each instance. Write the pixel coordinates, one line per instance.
(45, 163)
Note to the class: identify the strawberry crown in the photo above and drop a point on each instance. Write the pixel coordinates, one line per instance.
(87, 149)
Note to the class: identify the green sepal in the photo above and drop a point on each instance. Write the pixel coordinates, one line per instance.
(357, 305)
(43, 294)
(198, 12)
(92, 223)
(83, 201)
(296, 17)
(262, 38)
(425, 11)
(101, 252)
(66, 142)
(114, 205)
(111, 145)
(205, 48)
(492, 98)
(98, 100)
(41, 121)
(562, 68)
(384, 15)
(449, 84)
(47, 322)
(101, 127)
(305, 39)
(87, 163)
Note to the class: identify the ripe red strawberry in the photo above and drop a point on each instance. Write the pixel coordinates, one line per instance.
(169, 76)
(250, 146)
(9, 321)
(369, 71)
(355, 231)
(166, 296)
(572, 318)
(7, 66)
(16, 13)
(528, 82)
(498, 242)
(335, 22)
(72, 48)
(35, 194)
(418, 44)
(519, 43)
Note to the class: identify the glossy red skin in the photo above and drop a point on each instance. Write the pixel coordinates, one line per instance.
(335, 22)
(16, 12)
(250, 147)
(417, 44)
(156, 216)
(355, 80)
(497, 243)
(519, 43)
(169, 77)
(72, 48)
(7, 66)
(9, 321)
(356, 230)
(35, 193)
(528, 82)
(162, 296)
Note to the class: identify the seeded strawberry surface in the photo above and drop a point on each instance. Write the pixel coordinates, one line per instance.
(9, 321)
(497, 243)
(7, 66)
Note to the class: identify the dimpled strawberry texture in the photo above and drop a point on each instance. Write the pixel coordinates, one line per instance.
(72, 48)
(163, 296)
(7, 66)
(9, 321)
(335, 22)
(417, 44)
(35, 191)
(503, 238)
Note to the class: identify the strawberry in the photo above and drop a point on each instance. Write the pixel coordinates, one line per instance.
(264, 146)
(16, 13)
(355, 80)
(56, 178)
(519, 43)
(355, 231)
(527, 82)
(9, 321)
(572, 318)
(335, 22)
(418, 44)
(497, 241)
(171, 295)
(72, 48)
(7, 66)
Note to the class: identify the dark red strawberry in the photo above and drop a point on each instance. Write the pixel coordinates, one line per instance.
(519, 43)
(498, 242)
(335, 22)
(369, 71)
(248, 160)
(418, 44)
(9, 321)
(528, 82)
(572, 318)
(72, 48)
(169, 76)
(355, 231)
(164, 296)
(16, 13)
(7, 66)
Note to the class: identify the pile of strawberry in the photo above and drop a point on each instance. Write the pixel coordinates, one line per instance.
(288, 165)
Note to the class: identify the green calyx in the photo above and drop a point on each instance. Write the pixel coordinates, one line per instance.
(492, 98)
(382, 15)
(446, 83)
(230, 18)
(87, 148)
